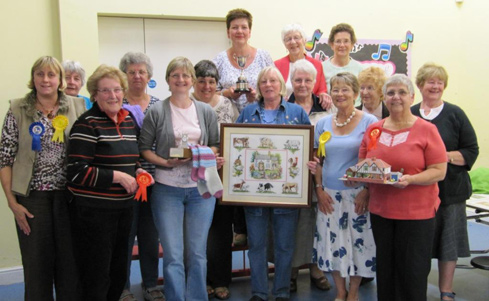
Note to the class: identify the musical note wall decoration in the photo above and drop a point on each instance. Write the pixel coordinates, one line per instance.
(315, 37)
(409, 39)
(385, 54)
(383, 48)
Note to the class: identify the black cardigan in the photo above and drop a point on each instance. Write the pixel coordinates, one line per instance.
(458, 135)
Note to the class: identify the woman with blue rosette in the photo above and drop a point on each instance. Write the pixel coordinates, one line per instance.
(33, 176)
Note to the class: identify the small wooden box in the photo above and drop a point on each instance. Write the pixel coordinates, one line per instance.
(181, 153)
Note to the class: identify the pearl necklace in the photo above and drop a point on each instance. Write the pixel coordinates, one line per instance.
(348, 120)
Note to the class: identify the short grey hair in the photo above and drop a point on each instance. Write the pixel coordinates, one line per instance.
(263, 72)
(74, 67)
(348, 78)
(206, 68)
(304, 66)
(398, 79)
(293, 28)
(136, 58)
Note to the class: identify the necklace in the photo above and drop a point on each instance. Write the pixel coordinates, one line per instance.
(50, 113)
(348, 120)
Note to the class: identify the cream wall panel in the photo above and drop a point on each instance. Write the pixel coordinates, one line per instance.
(117, 36)
(167, 39)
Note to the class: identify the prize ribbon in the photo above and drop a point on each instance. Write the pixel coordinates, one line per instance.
(374, 136)
(144, 180)
(36, 129)
(60, 123)
(322, 144)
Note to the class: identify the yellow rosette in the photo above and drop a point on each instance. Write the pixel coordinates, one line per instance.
(322, 144)
(60, 123)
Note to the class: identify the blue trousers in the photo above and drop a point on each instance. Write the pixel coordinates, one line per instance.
(284, 224)
(183, 219)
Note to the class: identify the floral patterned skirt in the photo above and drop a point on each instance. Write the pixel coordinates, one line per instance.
(344, 241)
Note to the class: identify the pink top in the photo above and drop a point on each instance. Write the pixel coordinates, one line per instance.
(185, 123)
(412, 149)
(320, 86)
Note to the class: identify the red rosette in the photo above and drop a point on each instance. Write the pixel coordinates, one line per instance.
(374, 136)
(143, 180)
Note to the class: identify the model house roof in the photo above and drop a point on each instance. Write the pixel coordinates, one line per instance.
(381, 164)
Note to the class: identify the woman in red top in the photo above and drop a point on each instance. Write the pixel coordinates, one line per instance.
(294, 38)
(403, 214)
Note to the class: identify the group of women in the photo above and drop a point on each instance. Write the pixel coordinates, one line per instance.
(70, 175)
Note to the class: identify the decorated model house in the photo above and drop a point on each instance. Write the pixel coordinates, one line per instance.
(372, 170)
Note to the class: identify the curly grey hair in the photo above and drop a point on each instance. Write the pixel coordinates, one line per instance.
(136, 58)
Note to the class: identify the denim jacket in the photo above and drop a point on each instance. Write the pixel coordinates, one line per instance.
(288, 113)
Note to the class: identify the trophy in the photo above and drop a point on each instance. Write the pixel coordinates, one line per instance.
(182, 151)
(242, 83)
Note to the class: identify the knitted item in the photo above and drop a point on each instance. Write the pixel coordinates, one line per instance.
(195, 163)
(207, 159)
(208, 171)
(202, 188)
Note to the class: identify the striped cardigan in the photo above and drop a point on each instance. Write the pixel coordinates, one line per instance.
(98, 147)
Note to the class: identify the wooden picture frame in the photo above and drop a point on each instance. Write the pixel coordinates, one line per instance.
(266, 165)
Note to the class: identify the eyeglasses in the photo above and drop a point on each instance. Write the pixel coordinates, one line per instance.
(140, 72)
(177, 76)
(401, 93)
(299, 81)
(108, 91)
(345, 42)
(294, 38)
(343, 91)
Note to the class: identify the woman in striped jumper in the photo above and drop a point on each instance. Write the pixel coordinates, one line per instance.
(102, 168)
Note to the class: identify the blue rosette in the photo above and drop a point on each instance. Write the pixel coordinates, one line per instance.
(36, 129)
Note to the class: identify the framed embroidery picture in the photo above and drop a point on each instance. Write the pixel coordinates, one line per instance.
(266, 165)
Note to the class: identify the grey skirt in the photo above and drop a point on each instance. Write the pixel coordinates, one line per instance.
(451, 240)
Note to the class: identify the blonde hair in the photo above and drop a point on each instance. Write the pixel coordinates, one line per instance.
(431, 70)
(105, 71)
(375, 75)
(180, 62)
(271, 69)
(53, 64)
